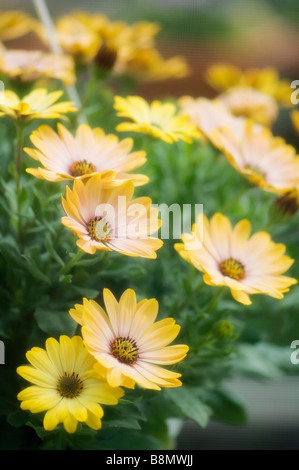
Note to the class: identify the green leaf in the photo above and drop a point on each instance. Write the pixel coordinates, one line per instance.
(225, 406)
(127, 423)
(55, 322)
(190, 404)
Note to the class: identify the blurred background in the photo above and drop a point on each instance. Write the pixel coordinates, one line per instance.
(246, 33)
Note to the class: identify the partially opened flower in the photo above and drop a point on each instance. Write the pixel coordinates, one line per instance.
(128, 344)
(29, 66)
(265, 160)
(232, 257)
(250, 103)
(266, 80)
(38, 104)
(65, 385)
(90, 151)
(160, 120)
(104, 216)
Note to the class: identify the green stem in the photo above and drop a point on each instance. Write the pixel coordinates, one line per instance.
(71, 262)
(20, 137)
(215, 299)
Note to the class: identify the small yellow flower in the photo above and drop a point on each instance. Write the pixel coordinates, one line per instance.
(147, 65)
(65, 385)
(127, 343)
(103, 215)
(266, 80)
(160, 120)
(265, 160)
(90, 151)
(76, 39)
(250, 103)
(38, 104)
(231, 257)
(29, 66)
(15, 23)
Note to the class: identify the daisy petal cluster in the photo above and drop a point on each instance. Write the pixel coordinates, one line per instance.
(161, 120)
(104, 216)
(127, 342)
(65, 385)
(29, 66)
(232, 257)
(38, 104)
(90, 151)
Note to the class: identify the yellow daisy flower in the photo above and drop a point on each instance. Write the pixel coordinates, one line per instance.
(29, 66)
(65, 385)
(16, 23)
(266, 80)
(90, 151)
(250, 103)
(104, 216)
(76, 39)
(160, 120)
(231, 257)
(127, 343)
(263, 159)
(148, 65)
(38, 104)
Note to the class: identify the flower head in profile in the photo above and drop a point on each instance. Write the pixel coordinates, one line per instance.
(250, 103)
(65, 385)
(266, 80)
(160, 120)
(29, 66)
(90, 151)
(104, 216)
(232, 257)
(265, 160)
(209, 115)
(38, 104)
(128, 344)
(15, 24)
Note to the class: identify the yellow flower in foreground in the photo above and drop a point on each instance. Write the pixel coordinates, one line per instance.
(266, 80)
(158, 119)
(127, 343)
(38, 104)
(91, 151)
(263, 159)
(65, 385)
(29, 66)
(231, 257)
(103, 215)
(250, 103)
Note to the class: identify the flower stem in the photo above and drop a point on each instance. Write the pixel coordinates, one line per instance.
(45, 17)
(215, 299)
(20, 137)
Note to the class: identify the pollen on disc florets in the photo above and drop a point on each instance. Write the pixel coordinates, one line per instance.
(125, 350)
(82, 167)
(69, 385)
(99, 229)
(232, 268)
